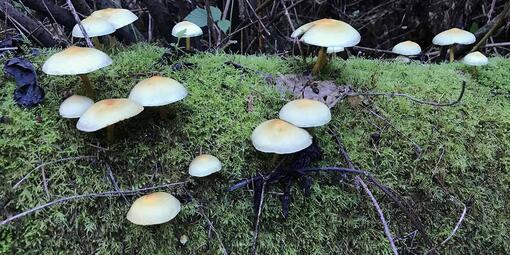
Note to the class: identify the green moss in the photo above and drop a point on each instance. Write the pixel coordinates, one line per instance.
(465, 153)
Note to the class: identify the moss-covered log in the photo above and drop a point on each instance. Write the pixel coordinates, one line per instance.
(465, 153)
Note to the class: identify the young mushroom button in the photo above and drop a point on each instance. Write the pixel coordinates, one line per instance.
(186, 29)
(74, 106)
(475, 59)
(204, 165)
(407, 48)
(157, 91)
(154, 208)
(280, 137)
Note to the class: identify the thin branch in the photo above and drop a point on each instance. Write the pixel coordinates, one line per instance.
(451, 103)
(75, 14)
(258, 220)
(89, 195)
(381, 214)
(454, 230)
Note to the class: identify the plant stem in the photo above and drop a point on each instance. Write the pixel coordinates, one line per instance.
(109, 133)
(452, 53)
(87, 86)
(322, 60)
(188, 44)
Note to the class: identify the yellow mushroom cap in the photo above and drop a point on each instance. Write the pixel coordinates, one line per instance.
(475, 59)
(74, 106)
(204, 165)
(280, 137)
(157, 91)
(118, 17)
(306, 113)
(454, 36)
(328, 33)
(94, 27)
(154, 208)
(107, 112)
(334, 49)
(189, 28)
(76, 60)
(407, 48)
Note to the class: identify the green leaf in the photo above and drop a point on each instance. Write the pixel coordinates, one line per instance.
(224, 25)
(199, 16)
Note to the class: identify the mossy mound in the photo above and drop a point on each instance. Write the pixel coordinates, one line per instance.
(465, 153)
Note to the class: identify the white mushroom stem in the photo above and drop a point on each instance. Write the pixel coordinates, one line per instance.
(87, 86)
(452, 53)
(188, 43)
(322, 60)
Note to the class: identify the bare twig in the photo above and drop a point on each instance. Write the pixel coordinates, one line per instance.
(454, 230)
(89, 195)
(257, 221)
(48, 163)
(75, 14)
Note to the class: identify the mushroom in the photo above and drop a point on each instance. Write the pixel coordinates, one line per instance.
(407, 48)
(116, 16)
(305, 113)
(475, 59)
(107, 112)
(280, 137)
(158, 91)
(204, 165)
(154, 208)
(453, 37)
(94, 26)
(186, 29)
(330, 50)
(77, 61)
(74, 106)
(327, 33)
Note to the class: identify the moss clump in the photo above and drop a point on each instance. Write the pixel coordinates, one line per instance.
(465, 153)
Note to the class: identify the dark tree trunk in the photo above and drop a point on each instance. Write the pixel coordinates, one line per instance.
(162, 18)
(49, 9)
(30, 27)
(81, 7)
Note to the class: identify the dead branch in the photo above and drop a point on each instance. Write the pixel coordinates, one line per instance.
(454, 230)
(258, 220)
(50, 9)
(78, 21)
(90, 195)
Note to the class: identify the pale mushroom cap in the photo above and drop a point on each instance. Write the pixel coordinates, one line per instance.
(76, 60)
(204, 165)
(157, 91)
(280, 137)
(407, 48)
(334, 49)
(454, 36)
(191, 30)
(107, 112)
(154, 208)
(116, 16)
(74, 106)
(306, 113)
(328, 33)
(475, 59)
(94, 27)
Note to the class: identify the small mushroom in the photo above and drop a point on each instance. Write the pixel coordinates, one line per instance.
(453, 37)
(158, 91)
(186, 29)
(204, 165)
(407, 48)
(107, 112)
(305, 113)
(280, 137)
(154, 208)
(74, 106)
(326, 33)
(77, 61)
(94, 26)
(475, 59)
(118, 17)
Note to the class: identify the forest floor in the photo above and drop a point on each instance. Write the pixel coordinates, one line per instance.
(442, 160)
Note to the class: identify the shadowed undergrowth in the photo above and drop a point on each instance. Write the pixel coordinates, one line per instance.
(427, 154)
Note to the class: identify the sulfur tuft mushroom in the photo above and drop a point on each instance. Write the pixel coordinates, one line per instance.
(158, 91)
(107, 112)
(74, 106)
(186, 29)
(407, 48)
(452, 37)
(326, 33)
(94, 27)
(204, 165)
(154, 208)
(280, 137)
(305, 113)
(77, 61)
(475, 59)
(116, 16)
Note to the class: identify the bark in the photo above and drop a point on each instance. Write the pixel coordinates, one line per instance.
(162, 18)
(49, 9)
(81, 7)
(31, 28)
